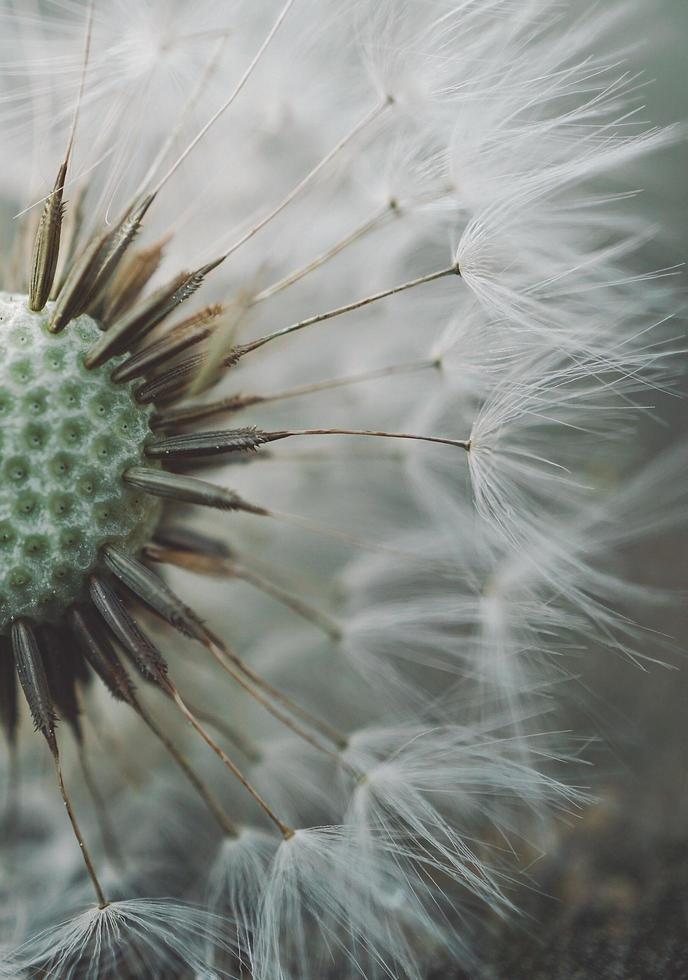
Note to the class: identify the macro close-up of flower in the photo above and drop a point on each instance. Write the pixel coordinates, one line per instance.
(343, 497)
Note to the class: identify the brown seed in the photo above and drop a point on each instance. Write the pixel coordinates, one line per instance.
(47, 244)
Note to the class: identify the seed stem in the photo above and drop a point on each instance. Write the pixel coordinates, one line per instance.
(229, 568)
(358, 128)
(285, 830)
(358, 304)
(458, 443)
(304, 609)
(223, 108)
(219, 724)
(223, 653)
(210, 70)
(100, 894)
(237, 403)
(225, 663)
(359, 232)
(82, 80)
(107, 833)
(206, 795)
(188, 333)
(104, 660)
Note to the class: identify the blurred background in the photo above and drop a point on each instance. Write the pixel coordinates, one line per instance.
(611, 900)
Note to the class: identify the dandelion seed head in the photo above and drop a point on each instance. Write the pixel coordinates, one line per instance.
(68, 434)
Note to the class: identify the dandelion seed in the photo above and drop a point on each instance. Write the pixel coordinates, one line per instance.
(136, 937)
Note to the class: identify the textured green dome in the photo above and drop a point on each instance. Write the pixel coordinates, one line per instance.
(66, 436)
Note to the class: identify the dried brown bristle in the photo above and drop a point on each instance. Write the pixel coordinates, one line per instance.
(189, 332)
(187, 489)
(147, 315)
(34, 681)
(149, 661)
(135, 272)
(150, 589)
(204, 444)
(47, 244)
(175, 382)
(93, 270)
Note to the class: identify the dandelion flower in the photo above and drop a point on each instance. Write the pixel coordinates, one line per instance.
(310, 344)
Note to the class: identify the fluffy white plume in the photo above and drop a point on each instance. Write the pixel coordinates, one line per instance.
(136, 937)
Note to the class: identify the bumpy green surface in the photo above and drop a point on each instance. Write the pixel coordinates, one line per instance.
(66, 436)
